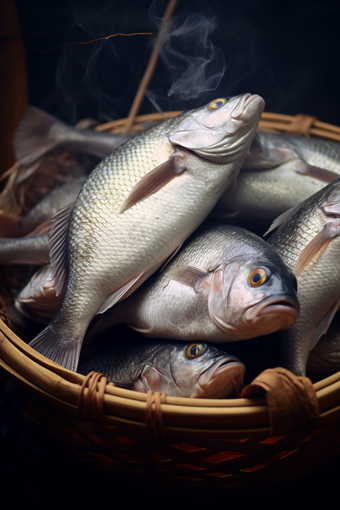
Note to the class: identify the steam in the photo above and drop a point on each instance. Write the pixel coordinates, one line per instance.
(196, 66)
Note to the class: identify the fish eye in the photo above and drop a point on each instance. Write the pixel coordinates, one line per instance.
(257, 277)
(194, 350)
(217, 103)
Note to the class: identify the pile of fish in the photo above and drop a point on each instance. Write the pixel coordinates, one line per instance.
(126, 245)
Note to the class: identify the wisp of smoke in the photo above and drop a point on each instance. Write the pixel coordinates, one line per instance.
(195, 65)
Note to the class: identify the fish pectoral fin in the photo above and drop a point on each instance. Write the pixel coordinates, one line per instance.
(153, 181)
(58, 247)
(324, 324)
(316, 247)
(281, 219)
(118, 294)
(190, 276)
(315, 172)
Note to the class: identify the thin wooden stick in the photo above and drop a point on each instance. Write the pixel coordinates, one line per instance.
(150, 68)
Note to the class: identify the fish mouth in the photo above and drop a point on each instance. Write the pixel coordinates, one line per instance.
(283, 310)
(222, 379)
(243, 104)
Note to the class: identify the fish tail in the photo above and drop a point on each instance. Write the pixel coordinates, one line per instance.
(59, 345)
(34, 136)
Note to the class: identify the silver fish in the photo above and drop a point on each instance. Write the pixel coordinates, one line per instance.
(308, 240)
(303, 167)
(137, 207)
(14, 226)
(226, 284)
(195, 370)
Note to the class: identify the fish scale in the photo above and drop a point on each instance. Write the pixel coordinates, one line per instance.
(110, 252)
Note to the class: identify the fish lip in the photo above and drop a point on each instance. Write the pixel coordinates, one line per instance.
(221, 367)
(243, 104)
(278, 304)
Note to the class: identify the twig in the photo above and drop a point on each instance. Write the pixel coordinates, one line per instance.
(150, 68)
(93, 40)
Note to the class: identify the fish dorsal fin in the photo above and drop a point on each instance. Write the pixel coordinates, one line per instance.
(281, 219)
(315, 172)
(259, 156)
(316, 247)
(324, 324)
(190, 276)
(118, 294)
(32, 138)
(58, 246)
(154, 181)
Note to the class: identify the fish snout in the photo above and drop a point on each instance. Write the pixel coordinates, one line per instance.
(248, 106)
(273, 314)
(222, 379)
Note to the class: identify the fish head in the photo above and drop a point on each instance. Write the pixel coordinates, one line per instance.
(195, 370)
(253, 296)
(221, 130)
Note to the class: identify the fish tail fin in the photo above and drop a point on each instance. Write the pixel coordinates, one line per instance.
(59, 346)
(34, 136)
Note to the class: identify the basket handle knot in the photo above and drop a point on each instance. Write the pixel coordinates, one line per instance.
(291, 400)
(91, 407)
(153, 415)
(301, 125)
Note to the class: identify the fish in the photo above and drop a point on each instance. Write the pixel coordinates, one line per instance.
(324, 359)
(15, 226)
(39, 132)
(226, 284)
(271, 182)
(25, 250)
(192, 370)
(137, 208)
(307, 238)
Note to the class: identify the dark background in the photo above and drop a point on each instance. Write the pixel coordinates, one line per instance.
(287, 52)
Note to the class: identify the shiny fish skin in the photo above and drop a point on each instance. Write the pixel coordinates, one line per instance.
(266, 193)
(219, 305)
(165, 366)
(111, 252)
(319, 281)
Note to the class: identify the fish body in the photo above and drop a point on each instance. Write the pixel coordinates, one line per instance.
(306, 166)
(137, 207)
(196, 370)
(206, 291)
(309, 243)
(14, 226)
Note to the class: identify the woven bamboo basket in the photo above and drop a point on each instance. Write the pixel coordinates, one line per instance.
(225, 445)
